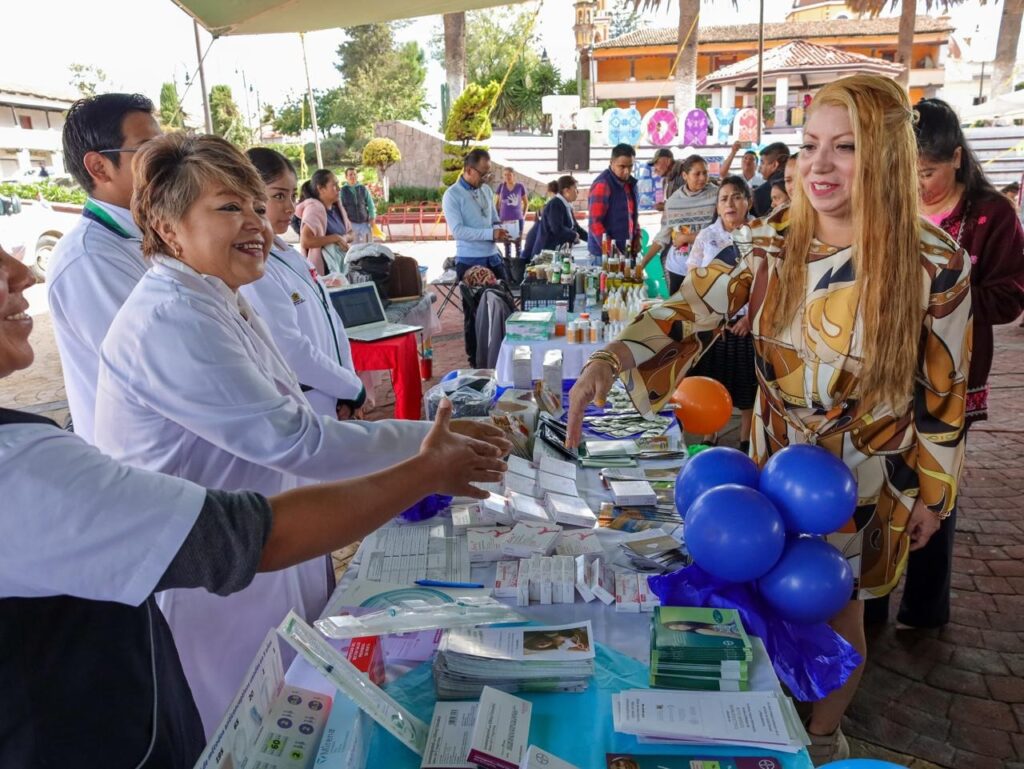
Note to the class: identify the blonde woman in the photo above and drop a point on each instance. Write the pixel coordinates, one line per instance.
(861, 317)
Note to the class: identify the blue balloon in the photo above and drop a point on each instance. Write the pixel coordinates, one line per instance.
(734, 533)
(711, 468)
(814, 491)
(810, 583)
(861, 763)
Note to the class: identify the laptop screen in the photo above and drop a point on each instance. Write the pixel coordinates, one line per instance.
(358, 305)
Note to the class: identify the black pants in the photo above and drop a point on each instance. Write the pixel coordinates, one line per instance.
(675, 280)
(926, 584)
(498, 268)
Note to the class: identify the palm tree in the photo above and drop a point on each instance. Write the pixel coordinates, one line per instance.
(455, 53)
(1006, 47)
(908, 17)
(685, 93)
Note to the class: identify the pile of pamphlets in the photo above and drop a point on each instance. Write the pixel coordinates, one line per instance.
(763, 720)
(556, 658)
(694, 648)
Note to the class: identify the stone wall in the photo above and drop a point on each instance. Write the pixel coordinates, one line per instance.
(421, 151)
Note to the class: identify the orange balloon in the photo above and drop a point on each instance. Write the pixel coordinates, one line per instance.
(703, 405)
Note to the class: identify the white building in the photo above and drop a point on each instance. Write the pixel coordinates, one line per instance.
(30, 130)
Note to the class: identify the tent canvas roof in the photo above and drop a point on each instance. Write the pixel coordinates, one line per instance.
(257, 17)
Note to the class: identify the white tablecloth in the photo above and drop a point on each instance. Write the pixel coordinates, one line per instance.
(573, 358)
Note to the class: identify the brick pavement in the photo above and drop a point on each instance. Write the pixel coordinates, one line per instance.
(940, 698)
(955, 697)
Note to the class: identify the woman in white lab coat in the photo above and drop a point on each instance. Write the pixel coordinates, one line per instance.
(192, 384)
(294, 304)
(90, 672)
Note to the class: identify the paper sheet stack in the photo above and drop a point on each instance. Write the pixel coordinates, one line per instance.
(555, 658)
(766, 720)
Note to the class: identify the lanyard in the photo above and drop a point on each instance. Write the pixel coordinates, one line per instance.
(97, 214)
(323, 304)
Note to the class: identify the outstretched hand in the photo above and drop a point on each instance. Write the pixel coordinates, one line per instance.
(593, 385)
(456, 461)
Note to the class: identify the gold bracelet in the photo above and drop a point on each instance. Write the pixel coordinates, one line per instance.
(606, 356)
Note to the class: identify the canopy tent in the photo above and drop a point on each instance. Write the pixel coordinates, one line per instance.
(259, 17)
(1010, 105)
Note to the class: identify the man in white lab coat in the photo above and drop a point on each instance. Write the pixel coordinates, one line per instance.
(97, 264)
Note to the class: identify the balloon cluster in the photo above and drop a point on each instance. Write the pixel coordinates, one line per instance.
(741, 525)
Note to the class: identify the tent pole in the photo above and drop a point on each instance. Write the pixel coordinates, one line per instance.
(202, 80)
(760, 73)
(312, 104)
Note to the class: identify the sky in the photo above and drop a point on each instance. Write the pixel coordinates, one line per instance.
(143, 43)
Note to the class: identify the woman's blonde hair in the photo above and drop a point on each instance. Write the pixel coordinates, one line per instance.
(172, 171)
(886, 239)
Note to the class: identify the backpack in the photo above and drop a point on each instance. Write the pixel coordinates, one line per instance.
(404, 280)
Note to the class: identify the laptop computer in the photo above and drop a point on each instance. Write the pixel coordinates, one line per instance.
(362, 313)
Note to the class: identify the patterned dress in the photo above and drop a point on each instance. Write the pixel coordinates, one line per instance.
(808, 379)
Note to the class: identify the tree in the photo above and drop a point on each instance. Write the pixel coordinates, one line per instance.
(1006, 47)
(908, 19)
(455, 53)
(469, 120)
(363, 48)
(88, 78)
(383, 81)
(226, 117)
(172, 117)
(625, 19)
(493, 39)
(381, 154)
(292, 117)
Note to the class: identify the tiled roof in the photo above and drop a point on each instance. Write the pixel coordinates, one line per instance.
(787, 30)
(804, 57)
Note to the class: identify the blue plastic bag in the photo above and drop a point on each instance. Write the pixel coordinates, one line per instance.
(427, 507)
(811, 660)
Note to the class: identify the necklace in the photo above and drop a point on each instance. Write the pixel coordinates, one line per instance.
(483, 201)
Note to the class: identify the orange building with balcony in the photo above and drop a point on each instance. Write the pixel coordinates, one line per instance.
(634, 68)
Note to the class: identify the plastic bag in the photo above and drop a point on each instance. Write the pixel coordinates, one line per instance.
(471, 396)
(427, 507)
(811, 660)
(413, 616)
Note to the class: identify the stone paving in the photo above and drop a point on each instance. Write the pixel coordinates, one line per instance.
(939, 698)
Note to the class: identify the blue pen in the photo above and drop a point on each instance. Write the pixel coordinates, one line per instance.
(442, 583)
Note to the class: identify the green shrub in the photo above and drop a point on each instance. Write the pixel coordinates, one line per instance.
(536, 203)
(333, 151)
(50, 191)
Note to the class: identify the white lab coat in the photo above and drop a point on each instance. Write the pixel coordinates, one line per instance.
(91, 274)
(189, 387)
(306, 328)
(104, 532)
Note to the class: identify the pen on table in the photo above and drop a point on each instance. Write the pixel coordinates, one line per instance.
(443, 583)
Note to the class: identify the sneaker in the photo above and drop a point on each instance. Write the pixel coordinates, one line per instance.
(826, 748)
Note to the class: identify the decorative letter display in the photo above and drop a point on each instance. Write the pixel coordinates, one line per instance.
(661, 127)
(623, 126)
(722, 120)
(695, 132)
(747, 122)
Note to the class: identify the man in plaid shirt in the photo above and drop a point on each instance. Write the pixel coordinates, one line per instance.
(613, 204)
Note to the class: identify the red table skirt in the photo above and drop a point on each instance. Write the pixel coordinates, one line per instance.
(399, 356)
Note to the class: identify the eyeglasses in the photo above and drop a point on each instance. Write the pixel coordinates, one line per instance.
(114, 152)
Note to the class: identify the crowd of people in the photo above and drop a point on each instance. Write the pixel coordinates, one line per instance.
(845, 295)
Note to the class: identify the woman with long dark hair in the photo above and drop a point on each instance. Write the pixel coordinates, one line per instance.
(958, 198)
(324, 223)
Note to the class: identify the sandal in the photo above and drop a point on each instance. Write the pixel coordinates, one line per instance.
(826, 748)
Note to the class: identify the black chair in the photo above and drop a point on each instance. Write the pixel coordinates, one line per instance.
(535, 294)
